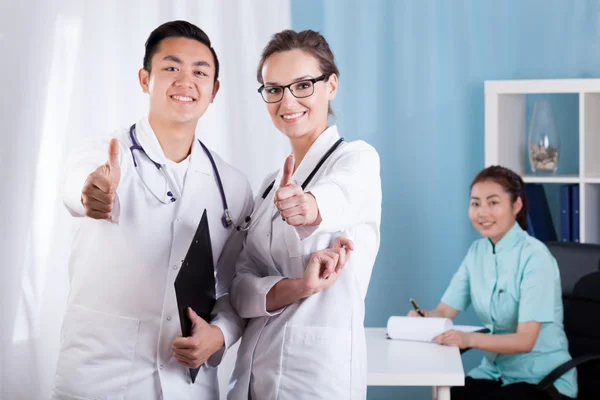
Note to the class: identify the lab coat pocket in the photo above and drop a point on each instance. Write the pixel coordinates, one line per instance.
(96, 355)
(316, 363)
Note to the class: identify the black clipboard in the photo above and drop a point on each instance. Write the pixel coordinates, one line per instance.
(195, 282)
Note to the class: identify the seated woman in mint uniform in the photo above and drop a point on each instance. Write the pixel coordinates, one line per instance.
(512, 281)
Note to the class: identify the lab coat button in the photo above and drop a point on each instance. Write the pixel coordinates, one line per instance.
(160, 366)
(178, 219)
(168, 318)
(174, 266)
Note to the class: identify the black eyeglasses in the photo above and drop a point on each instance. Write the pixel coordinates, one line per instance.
(300, 89)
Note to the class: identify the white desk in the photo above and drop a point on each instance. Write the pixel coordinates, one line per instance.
(394, 363)
(404, 363)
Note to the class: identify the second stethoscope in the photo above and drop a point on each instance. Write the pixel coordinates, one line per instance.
(247, 224)
(225, 219)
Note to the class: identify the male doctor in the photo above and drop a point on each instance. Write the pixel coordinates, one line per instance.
(138, 199)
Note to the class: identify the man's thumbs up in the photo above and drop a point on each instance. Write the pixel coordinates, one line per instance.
(112, 165)
(98, 193)
(113, 153)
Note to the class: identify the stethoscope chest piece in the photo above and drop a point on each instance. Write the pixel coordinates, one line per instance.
(169, 186)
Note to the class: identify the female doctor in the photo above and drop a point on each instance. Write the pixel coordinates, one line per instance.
(513, 283)
(305, 337)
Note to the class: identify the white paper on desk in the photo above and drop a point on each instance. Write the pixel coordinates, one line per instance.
(422, 329)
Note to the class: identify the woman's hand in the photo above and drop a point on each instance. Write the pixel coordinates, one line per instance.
(295, 207)
(322, 271)
(441, 311)
(413, 313)
(458, 339)
(325, 266)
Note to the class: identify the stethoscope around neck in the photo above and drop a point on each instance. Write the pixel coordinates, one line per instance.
(247, 224)
(170, 196)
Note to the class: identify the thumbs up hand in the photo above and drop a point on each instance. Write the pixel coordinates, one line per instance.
(288, 171)
(99, 189)
(295, 207)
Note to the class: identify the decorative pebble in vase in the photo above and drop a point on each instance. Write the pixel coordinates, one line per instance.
(544, 141)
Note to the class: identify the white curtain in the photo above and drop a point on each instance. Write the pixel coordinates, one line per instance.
(68, 69)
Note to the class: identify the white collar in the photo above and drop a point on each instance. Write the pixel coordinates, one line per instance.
(312, 157)
(146, 138)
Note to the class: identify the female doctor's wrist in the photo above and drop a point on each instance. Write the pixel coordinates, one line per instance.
(314, 216)
(286, 292)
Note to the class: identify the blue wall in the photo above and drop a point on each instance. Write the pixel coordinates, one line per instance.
(411, 84)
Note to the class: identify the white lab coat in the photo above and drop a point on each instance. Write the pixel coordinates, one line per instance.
(314, 348)
(122, 314)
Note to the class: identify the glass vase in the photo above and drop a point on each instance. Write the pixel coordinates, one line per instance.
(544, 140)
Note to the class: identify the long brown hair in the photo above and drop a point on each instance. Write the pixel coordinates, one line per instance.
(511, 182)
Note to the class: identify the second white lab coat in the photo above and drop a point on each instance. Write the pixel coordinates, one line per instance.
(122, 313)
(314, 348)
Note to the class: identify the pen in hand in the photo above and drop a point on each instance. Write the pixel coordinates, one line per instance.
(416, 307)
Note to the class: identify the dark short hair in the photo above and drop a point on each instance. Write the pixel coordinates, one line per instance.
(511, 182)
(176, 29)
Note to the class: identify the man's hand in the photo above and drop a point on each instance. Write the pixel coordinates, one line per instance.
(98, 193)
(206, 339)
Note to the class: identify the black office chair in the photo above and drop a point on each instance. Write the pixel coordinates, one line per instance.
(579, 266)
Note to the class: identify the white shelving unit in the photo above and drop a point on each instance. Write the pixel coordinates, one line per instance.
(506, 138)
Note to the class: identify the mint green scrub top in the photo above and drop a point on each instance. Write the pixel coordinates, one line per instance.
(517, 280)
